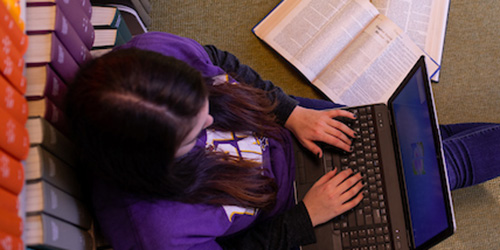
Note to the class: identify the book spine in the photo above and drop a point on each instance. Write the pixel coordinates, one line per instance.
(51, 139)
(11, 173)
(12, 101)
(11, 223)
(10, 242)
(10, 27)
(13, 136)
(9, 201)
(123, 29)
(87, 7)
(43, 197)
(14, 9)
(64, 31)
(55, 89)
(56, 234)
(52, 114)
(12, 63)
(42, 164)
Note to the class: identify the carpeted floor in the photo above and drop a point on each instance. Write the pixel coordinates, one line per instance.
(468, 91)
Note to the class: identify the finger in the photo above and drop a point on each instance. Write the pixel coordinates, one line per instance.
(311, 146)
(326, 177)
(343, 113)
(336, 142)
(350, 181)
(339, 178)
(340, 126)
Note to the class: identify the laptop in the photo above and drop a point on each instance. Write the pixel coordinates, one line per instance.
(406, 202)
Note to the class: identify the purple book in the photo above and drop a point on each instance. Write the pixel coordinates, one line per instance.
(45, 83)
(76, 13)
(46, 48)
(61, 26)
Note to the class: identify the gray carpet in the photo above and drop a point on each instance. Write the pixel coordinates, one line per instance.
(468, 91)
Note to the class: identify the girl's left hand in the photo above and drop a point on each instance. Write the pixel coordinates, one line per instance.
(309, 125)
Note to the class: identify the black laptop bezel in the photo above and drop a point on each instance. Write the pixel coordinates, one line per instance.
(420, 64)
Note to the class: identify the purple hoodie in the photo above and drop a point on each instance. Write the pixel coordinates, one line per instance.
(129, 223)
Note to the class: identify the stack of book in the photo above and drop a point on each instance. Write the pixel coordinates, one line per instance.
(60, 40)
(136, 13)
(14, 141)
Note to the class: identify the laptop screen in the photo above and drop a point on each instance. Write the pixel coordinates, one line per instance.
(427, 198)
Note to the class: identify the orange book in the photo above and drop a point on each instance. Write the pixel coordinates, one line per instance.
(12, 63)
(14, 137)
(8, 24)
(8, 201)
(11, 173)
(10, 242)
(10, 223)
(14, 10)
(12, 101)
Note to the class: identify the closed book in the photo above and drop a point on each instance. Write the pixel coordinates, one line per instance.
(11, 173)
(84, 4)
(132, 19)
(134, 4)
(10, 242)
(43, 19)
(14, 9)
(106, 38)
(46, 48)
(43, 82)
(50, 112)
(47, 232)
(13, 136)
(75, 14)
(11, 63)
(42, 133)
(106, 17)
(17, 35)
(11, 223)
(41, 164)
(43, 197)
(8, 201)
(12, 101)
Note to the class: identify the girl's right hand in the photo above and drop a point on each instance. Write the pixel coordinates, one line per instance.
(332, 195)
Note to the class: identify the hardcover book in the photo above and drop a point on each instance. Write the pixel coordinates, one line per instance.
(76, 14)
(45, 83)
(45, 231)
(132, 19)
(134, 4)
(45, 19)
(11, 173)
(12, 101)
(11, 242)
(42, 197)
(43, 165)
(347, 49)
(46, 48)
(50, 112)
(11, 63)
(13, 136)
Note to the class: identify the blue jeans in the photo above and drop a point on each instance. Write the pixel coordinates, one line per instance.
(471, 150)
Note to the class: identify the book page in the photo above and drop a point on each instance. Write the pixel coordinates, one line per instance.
(372, 67)
(309, 34)
(423, 20)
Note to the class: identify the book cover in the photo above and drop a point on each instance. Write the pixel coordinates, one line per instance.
(45, 83)
(76, 14)
(132, 19)
(42, 197)
(8, 201)
(10, 242)
(41, 132)
(46, 48)
(44, 19)
(109, 17)
(134, 4)
(50, 112)
(12, 101)
(16, 34)
(14, 9)
(11, 63)
(11, 223)
(11, 173)
(43, 165)
(45, 231)
(13, 136)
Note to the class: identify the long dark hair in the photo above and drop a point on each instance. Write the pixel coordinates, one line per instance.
(130, 109)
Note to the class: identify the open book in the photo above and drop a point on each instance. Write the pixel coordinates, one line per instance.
(346, 48)
(423, 20)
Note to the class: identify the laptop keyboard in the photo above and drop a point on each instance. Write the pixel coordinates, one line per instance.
(366, 226)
